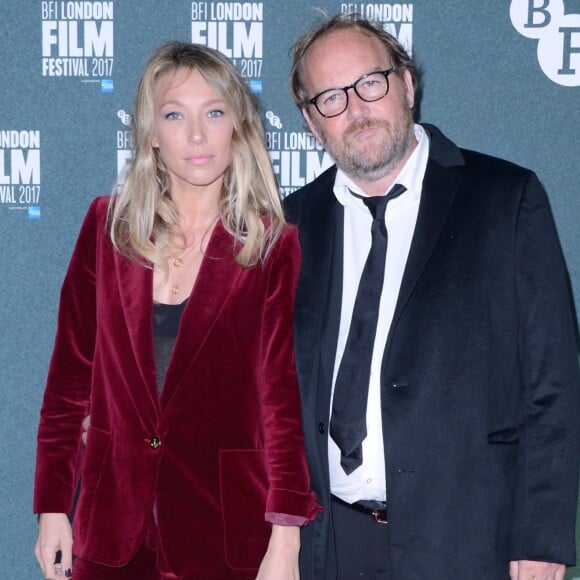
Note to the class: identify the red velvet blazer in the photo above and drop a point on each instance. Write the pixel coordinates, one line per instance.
(218, 449)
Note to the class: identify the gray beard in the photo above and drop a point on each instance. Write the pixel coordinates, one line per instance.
(381, 159)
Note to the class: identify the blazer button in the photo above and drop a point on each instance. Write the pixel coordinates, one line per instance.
(155, 443)
(321, 428)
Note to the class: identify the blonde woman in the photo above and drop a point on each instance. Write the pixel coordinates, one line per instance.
(175, 333)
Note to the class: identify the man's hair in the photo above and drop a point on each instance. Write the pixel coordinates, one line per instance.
(143, 215)
(400, 59)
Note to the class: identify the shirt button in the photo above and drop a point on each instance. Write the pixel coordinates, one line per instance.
(321, 428)
(155, 443)
(399, 385)
(369, 480)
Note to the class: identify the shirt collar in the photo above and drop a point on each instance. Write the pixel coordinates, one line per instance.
(411, 174)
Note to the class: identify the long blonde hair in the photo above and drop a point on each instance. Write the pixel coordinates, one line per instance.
(143, 215)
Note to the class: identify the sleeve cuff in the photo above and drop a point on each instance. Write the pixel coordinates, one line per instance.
(292, 504)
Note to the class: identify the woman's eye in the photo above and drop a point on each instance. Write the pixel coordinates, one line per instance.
(215, 113)
(173, 116)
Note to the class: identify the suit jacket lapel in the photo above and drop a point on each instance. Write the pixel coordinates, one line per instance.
(443, 177)
(216, 279)
(333, 303)
(317, 235)
(136, 292)
(317, 314)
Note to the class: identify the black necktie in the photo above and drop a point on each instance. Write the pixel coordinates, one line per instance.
(348, 425)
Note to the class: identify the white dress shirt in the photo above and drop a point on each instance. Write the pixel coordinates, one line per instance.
(368, 481)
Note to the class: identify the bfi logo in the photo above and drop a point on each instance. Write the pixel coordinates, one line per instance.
(555, 24)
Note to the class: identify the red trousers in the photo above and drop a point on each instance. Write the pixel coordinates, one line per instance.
(143, 566)
(148, 564)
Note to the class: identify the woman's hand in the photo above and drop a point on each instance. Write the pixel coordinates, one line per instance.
(54, 534)
(281, 559)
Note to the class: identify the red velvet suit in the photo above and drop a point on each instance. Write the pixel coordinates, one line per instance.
(227, 419)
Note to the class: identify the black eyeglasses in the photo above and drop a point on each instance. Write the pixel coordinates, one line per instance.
(370, 87)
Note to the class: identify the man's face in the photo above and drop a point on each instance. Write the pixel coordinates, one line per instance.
(369, 140)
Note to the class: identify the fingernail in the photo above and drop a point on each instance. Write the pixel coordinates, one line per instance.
(68, 573)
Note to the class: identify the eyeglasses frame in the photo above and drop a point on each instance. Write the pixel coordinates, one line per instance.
(352, 86)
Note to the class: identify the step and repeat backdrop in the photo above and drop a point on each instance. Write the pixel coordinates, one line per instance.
(501, 77)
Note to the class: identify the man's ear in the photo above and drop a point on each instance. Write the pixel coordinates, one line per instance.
(409, 89)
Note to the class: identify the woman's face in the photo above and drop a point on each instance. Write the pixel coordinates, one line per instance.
(192, 129)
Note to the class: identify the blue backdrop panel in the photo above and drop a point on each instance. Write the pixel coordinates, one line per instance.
(500, 77)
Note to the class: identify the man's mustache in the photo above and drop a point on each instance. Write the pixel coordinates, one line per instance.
(363, 124)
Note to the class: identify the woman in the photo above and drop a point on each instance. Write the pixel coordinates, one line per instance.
(175, 328)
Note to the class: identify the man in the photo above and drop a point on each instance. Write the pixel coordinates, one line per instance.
(464, 463)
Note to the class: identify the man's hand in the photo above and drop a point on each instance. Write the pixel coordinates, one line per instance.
(529, 570)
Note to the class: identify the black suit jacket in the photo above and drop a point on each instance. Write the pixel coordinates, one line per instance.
(480, 383)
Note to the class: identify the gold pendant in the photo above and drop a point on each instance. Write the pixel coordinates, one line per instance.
(177, 262)
(175, 289)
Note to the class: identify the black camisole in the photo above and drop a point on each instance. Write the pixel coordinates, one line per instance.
(166, 318)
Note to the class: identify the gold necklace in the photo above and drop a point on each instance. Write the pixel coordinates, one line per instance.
(178, 260)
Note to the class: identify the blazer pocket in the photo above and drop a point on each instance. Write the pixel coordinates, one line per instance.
(96, 454)
(243, 490)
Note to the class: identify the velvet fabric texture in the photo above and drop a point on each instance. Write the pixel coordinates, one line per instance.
(479, 381)
(218, 449)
